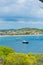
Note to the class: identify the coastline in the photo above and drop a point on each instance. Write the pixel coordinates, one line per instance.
(18, 35)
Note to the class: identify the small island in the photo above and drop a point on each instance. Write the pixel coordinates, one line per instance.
(22, 31)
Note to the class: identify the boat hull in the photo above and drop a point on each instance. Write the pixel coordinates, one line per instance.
(25, 42)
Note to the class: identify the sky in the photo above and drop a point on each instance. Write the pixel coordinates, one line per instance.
(15, 14)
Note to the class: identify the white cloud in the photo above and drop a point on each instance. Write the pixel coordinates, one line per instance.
(21, 1)
(30, 22)
(20, 8)
(20, 24)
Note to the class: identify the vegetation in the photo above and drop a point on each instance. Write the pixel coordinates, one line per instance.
(9, 57)
(23, 31)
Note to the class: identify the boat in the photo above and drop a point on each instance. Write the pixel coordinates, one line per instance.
(25, 42)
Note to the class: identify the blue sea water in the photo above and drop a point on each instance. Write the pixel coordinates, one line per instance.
(35, 43)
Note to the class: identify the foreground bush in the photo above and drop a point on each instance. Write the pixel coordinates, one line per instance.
(9, 57)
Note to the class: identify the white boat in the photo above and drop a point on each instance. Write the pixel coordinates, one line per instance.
(25, 42)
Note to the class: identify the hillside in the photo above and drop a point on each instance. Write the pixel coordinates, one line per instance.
(23, 31)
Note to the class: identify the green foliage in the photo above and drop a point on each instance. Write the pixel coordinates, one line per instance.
(20, 59)
(9, 57)
(5, 50)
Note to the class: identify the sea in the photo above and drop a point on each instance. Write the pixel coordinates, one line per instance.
(35, 43)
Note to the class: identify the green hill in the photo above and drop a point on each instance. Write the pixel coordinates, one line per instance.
(23, 31)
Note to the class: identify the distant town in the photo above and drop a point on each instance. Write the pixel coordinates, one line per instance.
(23, 31)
